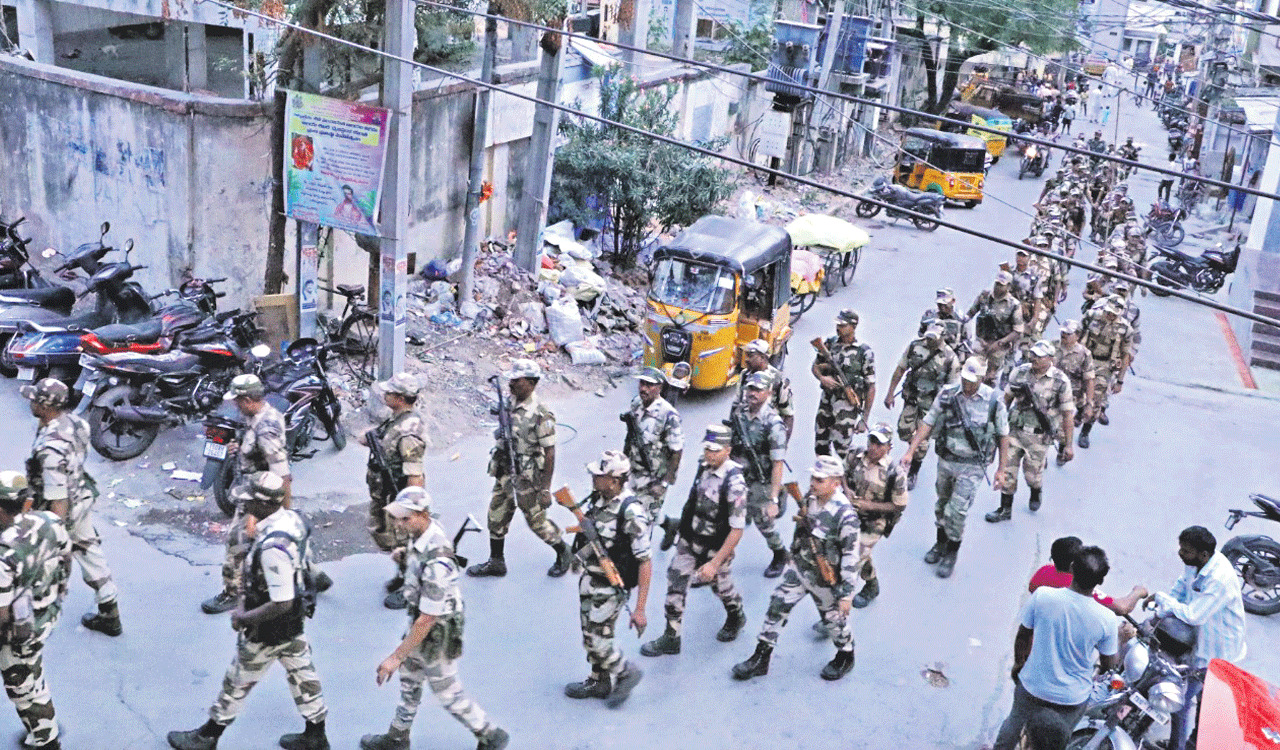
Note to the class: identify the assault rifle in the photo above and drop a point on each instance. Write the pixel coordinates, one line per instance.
(506, 436)
(804, 527)
(632, 445)
(587, 527)
(983, 450)
(378, 462)
(1022, 392)
(742, 437)
(832, 369)
(469, 524)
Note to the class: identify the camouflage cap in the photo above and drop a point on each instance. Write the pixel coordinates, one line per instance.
(881, 433)
(847, 316)
(247, 385)
(1042, 348)
(946, 296)
(1113, 306)
(408, 501)
(47, 392)
(974, 370)
(757, 346)
(266, 485)
(402, 384)
(934, 331)
(611, 464)
(758, 381)
(825, 467)
(651, 375)
(718, 437)
(523, 368)
(1004, 277)
(1069, 326)
(1024, 251)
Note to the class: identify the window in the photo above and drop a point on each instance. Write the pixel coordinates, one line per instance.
(693, 286)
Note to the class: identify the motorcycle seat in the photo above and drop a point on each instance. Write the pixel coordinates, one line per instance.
(121, 334)
(1270, 506)
(168, 362)
(49, 296)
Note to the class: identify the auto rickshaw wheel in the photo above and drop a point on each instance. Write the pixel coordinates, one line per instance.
(970, 204)
(800, 304)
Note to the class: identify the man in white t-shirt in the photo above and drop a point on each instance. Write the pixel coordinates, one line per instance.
(1053, 654)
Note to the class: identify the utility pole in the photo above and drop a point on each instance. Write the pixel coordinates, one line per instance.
(682, 36)
(537, 185)
(479, 138)
(397, 96)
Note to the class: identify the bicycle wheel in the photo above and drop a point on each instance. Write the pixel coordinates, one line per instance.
(800, 303)
(830, 273)
(359, 338)
(849, 265)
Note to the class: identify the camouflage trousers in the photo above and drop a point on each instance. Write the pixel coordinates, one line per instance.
(251, 662)
(652, 492)
(833, 427)
(867, 539)
(1078, 393)
(1030, 452)
(22, 667)
(599, 607)
(86, 548)
(1104, 377)
(688, 558)
(957, 486)
(757, 501)
(442, 675)
(997, 359)
(381, 530)
(909, 422)
(532, 501)
(795, 584)
(238, 543)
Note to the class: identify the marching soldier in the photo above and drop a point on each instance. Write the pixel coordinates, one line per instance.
(432, 645)
(998, 324)
(270, 621)
(826, 541)
(396, 449)
(969, 422)
(1076, 362)
(756, 358)
(1041, 412)
(261, 449)
(1028, 288)
(533, 438)
(1108, 338)
(624, 536)
(710, 528)
(59, 483)
(944, 314)
(927, 365)
(759, 446)
(879, 495)
(35, 563)
(839, 418)
(654, 444)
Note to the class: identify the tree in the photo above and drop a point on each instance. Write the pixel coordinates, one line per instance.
(627, 181)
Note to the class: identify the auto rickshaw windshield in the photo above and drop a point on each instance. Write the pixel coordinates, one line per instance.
(693, 286)
(959, 159)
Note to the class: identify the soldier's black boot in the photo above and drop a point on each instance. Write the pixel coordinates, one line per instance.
(779, 562)
(204, 737)
(595, 686)
(493, 738)
(311, 738)
(324, 582)
(1103, 419)
(757, 665)
(733, 625)
(1083, 440)
(935, 552)
(564, 558)
(392, 740)
(912, 472)
(869, 592)
(948, 562)
(666, 644)
(839, 666)
(106, 620)
(1034, 503)
(223, 601)
(670, 527)
(627, 682)
(495, 566)
(394, 584)
(1004, 512)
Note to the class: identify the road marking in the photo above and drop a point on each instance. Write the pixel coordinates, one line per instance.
(1237, 356)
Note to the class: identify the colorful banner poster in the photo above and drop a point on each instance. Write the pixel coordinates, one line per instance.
(334, 156)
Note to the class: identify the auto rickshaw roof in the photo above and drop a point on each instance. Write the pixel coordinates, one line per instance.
(741, 245)
(954, 140)
(985, 113)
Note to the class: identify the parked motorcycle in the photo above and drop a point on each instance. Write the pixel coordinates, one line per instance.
(1163, 223)
(16, 271)
(298, 387)
(902, 200)
(1256, 558)
(1204, 273)
(1035, 159)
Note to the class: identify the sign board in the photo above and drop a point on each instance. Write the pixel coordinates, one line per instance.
(335, 152)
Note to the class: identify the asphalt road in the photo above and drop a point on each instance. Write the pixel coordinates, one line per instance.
(1184, 446)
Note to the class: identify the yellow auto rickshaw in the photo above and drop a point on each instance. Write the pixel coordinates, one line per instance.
(990, 118)
(719, 285)
(947, 163)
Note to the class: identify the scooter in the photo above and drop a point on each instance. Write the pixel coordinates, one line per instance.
(16, 271)
(902, 200)
(1204, 273)
(1256, 558)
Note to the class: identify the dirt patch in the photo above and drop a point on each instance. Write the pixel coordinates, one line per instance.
(335, 534)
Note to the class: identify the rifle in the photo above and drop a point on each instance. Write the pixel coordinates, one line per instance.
(741, 436)
(1023, 393)
(824, 353)
(379, 463)
(805, 527)
(506, 437)
(587, 527)
(971, 437)
(470, 524)
(631, 445)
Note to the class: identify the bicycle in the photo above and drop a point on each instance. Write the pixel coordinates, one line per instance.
(355, 330)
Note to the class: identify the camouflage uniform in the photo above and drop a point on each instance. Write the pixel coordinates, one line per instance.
(926, 370)
(952, 329)
(768, 438)
(1028, 288)
(781, 399)
(1108, 343)
(714, 491)
(836, 419)
(1028, 440)
(35, 563)
(402, 438)
(272, 570)
(431, 587)
(659, 436)
(1077, 364)
(869, 482)
(261, 449)
(534, 428)
(995, 319)
(599, 601)
(960, 467)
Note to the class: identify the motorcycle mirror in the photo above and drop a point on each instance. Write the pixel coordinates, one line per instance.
(128, 248)
(261, 351)
(106, 227)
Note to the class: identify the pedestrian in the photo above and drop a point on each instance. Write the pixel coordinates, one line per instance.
(998, 324)
(927, 365)
(432, 645)
(1106, 114)
(711, 526)
(533, 442)
(1107, 336)
(1057, 575)
(840, 418)
(760, 446)
(1084, 101)
(755, 358)
(1059, 632)
(969, 422)
(623, 537)
(270, 621)
(396, 449)
(1069, 113)
(654, 442)
(878, 492)
(60, 484)
(1208, 597)
(35, 561)
(824, 565)
(1076, 363)
(1041, 413)
(1165, 191)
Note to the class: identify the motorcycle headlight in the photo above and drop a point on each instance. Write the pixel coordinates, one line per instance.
(1135, 661)
(1166, 696)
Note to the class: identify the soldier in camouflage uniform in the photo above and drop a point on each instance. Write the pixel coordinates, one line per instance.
(1028, 287)
(270, 621)
(431, 646)
(963, 454)
(826, 531)
(56, 474)
(1076, 362)
(876, 488)
(533, 430)
(1108, 338)
(944, 314)
(624, 536)
(710, 528)
(654, 444)
(401, 438)
(927, 365)
(1041, 413)
(998, 324)
(759, 446)
(756, 358)
(838, 419)
(262, 448)
(35, 563)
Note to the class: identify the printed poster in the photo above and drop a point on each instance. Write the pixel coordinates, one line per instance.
(335, 152)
